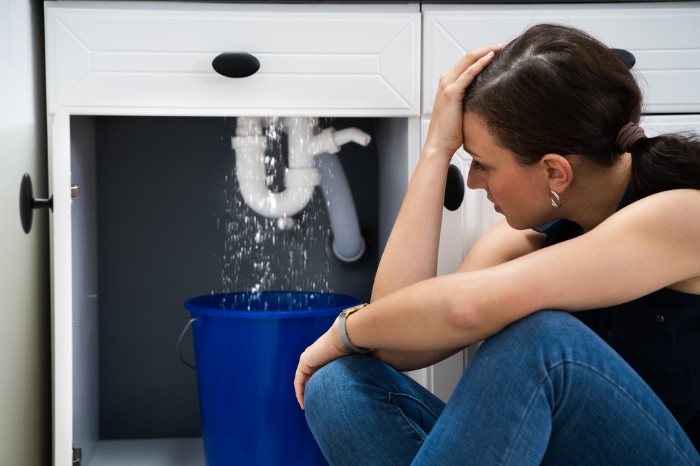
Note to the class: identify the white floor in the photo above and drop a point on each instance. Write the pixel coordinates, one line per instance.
(148, 452)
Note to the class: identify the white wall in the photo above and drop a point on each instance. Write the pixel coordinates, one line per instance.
(25, 381)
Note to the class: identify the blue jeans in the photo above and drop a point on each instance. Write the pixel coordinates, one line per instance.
(545, 390)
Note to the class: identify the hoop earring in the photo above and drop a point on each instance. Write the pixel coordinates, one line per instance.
(554, 199)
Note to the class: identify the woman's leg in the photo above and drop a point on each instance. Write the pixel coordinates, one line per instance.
(362, 412)
(547, 390)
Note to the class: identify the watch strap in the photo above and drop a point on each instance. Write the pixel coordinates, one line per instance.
(342, 330)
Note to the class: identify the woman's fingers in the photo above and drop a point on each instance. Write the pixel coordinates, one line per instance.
(469, 59)
(474, 69)
(445, 130)
(300, 379)
(302, 376)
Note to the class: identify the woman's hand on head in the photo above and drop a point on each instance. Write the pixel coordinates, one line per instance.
(328, 347)
(445, 131)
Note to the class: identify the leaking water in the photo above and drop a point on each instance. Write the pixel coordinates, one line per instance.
(270, 254)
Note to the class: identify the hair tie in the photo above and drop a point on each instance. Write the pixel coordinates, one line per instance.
(628, 135)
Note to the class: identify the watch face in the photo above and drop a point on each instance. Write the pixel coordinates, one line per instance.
(349, 311)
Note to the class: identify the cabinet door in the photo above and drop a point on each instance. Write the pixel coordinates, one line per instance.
(24, 334)
(120, 58)
(663, 37)
(62, 292)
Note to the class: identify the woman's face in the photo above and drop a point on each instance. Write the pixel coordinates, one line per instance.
(519, 192)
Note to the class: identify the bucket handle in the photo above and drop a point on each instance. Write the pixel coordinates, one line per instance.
(179, 344)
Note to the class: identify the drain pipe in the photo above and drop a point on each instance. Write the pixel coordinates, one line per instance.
(300, 178)
(347, 242)
(305, 171)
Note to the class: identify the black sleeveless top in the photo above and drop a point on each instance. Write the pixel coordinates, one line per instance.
(657, 334)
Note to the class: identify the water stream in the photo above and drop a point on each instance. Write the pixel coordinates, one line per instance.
(261, 256)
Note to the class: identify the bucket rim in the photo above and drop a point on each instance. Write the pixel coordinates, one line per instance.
(203, 305)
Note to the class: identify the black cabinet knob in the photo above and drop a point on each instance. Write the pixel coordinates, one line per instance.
(27, 203)
(454, 188)
(235, 64)
(627, 56)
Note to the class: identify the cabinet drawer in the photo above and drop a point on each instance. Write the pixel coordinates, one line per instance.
(662, 36)
(125, 58)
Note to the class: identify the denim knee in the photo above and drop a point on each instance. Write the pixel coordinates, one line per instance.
(550, 334)
(320, 388)
(331, 384)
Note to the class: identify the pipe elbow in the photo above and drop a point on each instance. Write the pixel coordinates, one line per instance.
(355, 135)
(349, 253)
(289, 202)
(331, 140)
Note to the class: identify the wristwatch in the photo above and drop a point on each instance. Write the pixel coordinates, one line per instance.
(344, 333)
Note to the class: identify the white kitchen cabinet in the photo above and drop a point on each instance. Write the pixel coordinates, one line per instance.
(142, 59)
(663, 36)
(156, 59)
(131, 59)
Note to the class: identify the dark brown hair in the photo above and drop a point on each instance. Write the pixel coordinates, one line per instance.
(555, 89)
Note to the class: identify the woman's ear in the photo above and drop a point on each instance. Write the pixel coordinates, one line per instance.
(558, 171)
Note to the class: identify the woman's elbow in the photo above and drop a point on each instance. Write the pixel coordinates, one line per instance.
(461, 313)
(469, 314)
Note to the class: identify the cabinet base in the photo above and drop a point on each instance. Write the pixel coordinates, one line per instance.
(148, 452)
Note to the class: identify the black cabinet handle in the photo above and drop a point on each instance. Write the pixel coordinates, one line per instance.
(27, 203)
(626, 56)
(235, 64)
(454, 188)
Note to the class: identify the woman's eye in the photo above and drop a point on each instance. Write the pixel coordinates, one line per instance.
(477, 166)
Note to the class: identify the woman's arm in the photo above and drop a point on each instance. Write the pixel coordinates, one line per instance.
(499, 244)
(411, 252)
(651, 244)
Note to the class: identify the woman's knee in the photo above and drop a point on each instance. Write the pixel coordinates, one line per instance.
(548, 333)
(334, 381)
(323, 382)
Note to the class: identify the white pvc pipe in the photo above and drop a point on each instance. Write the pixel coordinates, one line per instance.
(300, 179)
(348, 244)
(305, 171)
(250, 171)
(351, 135)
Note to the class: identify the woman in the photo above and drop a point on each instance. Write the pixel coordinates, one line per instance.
(601, 224)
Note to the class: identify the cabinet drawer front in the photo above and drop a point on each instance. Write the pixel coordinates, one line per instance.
(116, 59)
(663, 37)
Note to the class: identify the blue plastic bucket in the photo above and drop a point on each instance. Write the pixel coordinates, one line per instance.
(247, 348)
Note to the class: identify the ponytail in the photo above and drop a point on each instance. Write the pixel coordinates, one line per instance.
(670, 161)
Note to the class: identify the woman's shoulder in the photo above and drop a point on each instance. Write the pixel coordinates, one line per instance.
(675, 205)
(667, 222)
(667, 216)
(680, 193)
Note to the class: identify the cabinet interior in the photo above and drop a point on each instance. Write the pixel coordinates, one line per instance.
(157, 222)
